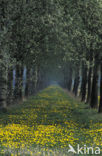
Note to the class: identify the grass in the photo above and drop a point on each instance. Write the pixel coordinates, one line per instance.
(47, 123)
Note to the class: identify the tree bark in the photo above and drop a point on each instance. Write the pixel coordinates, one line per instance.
(31, 81)
(10, 86)
(89, 85)
(3, 83)
(3, 52)
(100, 104)
(27, 82)
(94, 93)
(84, 82)
(18, 82)
(76, 82)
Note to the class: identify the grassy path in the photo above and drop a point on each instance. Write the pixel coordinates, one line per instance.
(47, 123)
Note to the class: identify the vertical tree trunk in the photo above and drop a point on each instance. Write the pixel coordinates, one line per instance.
(84, 82)
(3, 53)
(19, 82)
(33, 81)
(36, 82)
(3, 83)
(94, 93)
(27, 92)
(10, 87)
(89, 85)
(76, 82)
(100, 104)
(29, 85)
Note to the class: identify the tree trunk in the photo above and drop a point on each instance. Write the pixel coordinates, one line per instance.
(76, 82)
(10, 87)
(3, 53)
(89, 85)
(36, 82)
(18, 82)
(84, 82)
(100, 105)
(31, 81)
(94, 93)
(3, 83)
(27, 82)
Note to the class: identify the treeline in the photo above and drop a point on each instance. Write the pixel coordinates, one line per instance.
(41, 39)
(23, 49)
(83, 72)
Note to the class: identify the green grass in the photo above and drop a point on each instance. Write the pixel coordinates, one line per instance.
(47, 123)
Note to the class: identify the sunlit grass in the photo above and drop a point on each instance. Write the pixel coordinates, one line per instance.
(49, 122)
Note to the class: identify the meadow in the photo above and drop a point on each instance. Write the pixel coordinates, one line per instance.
(45, 125)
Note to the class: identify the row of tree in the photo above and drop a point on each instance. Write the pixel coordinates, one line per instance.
(44, 40)
(85, 50)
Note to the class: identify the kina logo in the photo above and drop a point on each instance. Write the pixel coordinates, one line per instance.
(84, 150)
